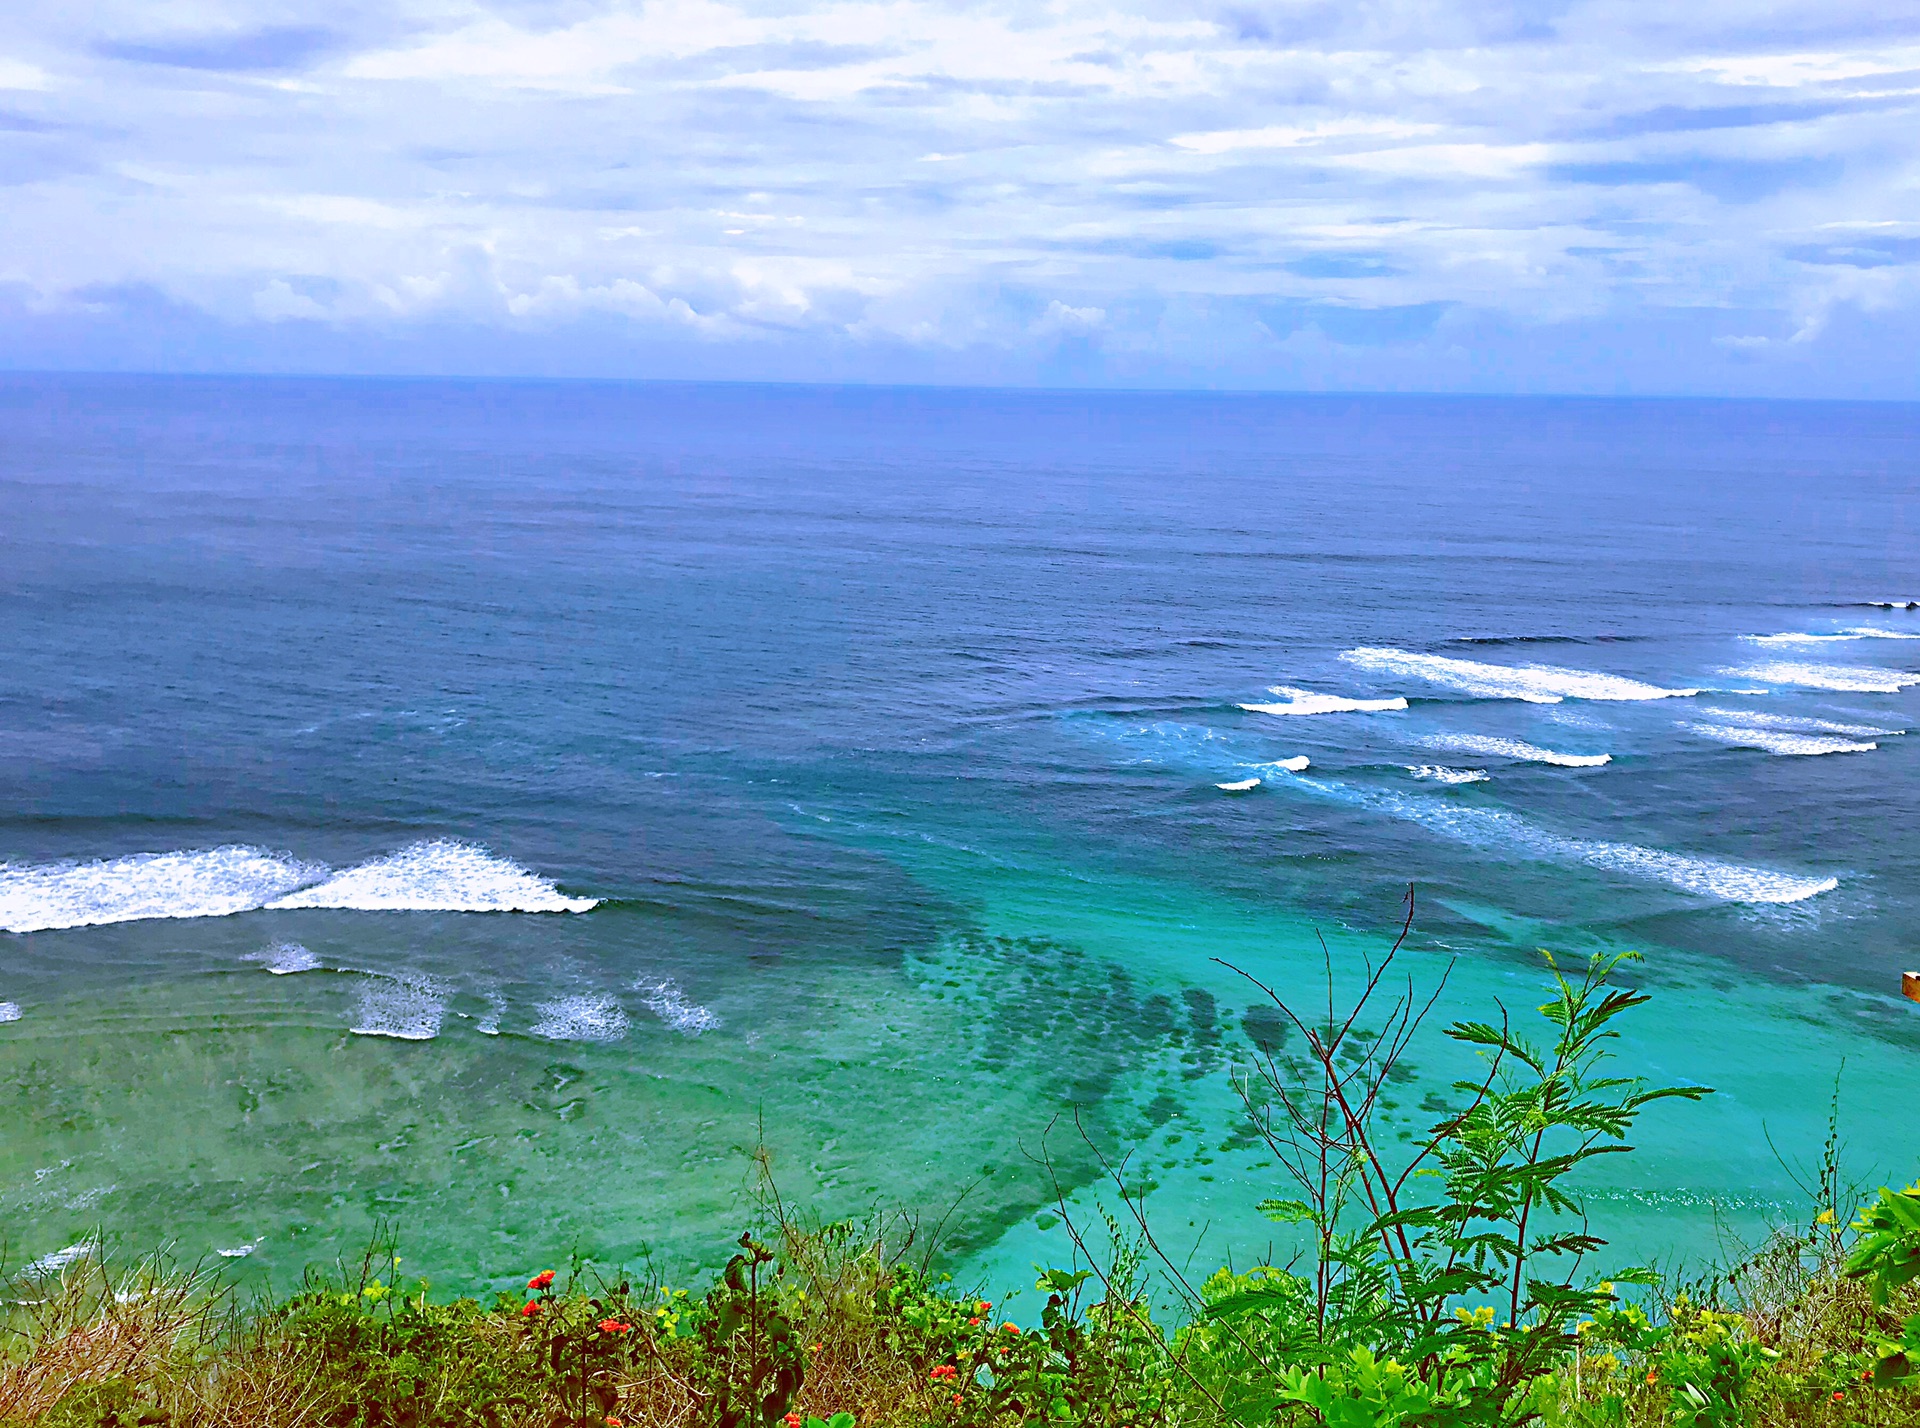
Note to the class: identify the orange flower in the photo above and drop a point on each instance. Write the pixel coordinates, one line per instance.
(1653, 1375)
(541, 1280)
(974, 1320)
(612, 1422)
(532, 1308)
(1011, 1327)
(956, 1400)
(613, 1326)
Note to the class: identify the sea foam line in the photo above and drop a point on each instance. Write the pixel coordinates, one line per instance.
(1851, 633)
(436, 876)
(1512, 749)
(1760, 719)
(439, 875)
(1534, 683)
(1305, 701)
(581, 1018)
(210, 882)
(1439, 773)
(1778, 741)
(405, 1009)
(666, 1001)
(1844, 678)
(1501, 832)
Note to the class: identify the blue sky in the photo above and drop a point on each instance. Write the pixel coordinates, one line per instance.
(1490, 195)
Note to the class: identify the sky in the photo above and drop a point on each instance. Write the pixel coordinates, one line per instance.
(1602, 196)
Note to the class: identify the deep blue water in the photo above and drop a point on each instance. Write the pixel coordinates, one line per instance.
(808, 687)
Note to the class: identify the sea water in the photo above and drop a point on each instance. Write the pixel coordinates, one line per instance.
(493, 810)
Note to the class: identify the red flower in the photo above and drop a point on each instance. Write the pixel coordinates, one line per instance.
(974, 1320)
(956, 1400)
(1011, 1327)
(541, 1280)
(793, 1420)
(985, 1304)
(1838, 1395)
(612, 1422)
(532, 1308)
(943, 1371)
(613, 1326)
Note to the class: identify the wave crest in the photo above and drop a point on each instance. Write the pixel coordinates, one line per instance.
(210, 882)
(1778, 741)
(1512, 749)
(1843, 678)
(1499, 831)
(1305, 701)
(1534, 683)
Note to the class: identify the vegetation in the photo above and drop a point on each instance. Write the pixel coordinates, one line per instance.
(1448, 1279)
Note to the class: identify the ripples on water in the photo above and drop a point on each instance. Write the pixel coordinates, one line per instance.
(624, 769)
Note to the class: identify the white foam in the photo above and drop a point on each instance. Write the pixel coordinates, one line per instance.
(437, 876)
(1846, 678)
(50, 1264)
(1441, 774)
(241, 1251)
(1534, 683)
(209, 882)
(9, 1011)
(1305, 701)
(1758, 719)
(588, 1018)
(1851, 633)
(404, 1010)
(1503, 832)
(1894, 604)
(1240, 787)
(284, 958)
(1778, 741)
(666, 1001)
(1512, 749)
(1296, 764)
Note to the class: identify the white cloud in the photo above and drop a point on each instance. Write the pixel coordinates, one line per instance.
(931, 174)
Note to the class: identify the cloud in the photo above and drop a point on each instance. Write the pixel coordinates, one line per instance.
(1081, 190)
(276, 47)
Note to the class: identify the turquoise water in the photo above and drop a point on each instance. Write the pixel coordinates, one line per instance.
(494, 809)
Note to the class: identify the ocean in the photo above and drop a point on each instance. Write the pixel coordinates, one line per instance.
(491, 810)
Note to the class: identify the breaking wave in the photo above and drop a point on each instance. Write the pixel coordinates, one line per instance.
(1441, 774)
(284, 958)
(1512, 749)
(1852, 632)
(1758, 719)
(211, 882)
(1778, 741)
(1534, 683)
(402, 1009)
(666, 1001)
(1844, 678)
(1305, 701)
(436, 876)
(1498, 831)
(9, 1011)
(1238, 786)
(584, 1018)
